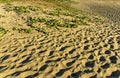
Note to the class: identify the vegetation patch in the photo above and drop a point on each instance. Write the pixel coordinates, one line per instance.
(50, 16)
(43, 30)
(58, 11)
(3, 31)
(52, 12)
(78, 17)
(35, 22)
(23, 30)
(58, 0)
(20, 9)
(52, 23)
(70, 25)
(1, 16)
(6, 0)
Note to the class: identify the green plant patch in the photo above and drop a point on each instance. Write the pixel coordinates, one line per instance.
(0, 15)
(3, 31)
(52, 13)
(58, 12)
(58, 0)
(68, 14)
(24, 30)
(33, 20)
(42, 20)
(20, 9)
(53, 23)
(33, 8)
(8, 7)
(6, 0)
(43, 30)
(68, 25)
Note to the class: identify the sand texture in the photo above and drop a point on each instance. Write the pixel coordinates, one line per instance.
(109, 9)
(84, 52)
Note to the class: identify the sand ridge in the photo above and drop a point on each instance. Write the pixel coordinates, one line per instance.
(84, 52)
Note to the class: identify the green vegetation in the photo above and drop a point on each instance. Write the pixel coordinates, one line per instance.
(34, 22)
(6, 0)
(31, 22)
(3, 31)
(43, 30)
(36, 0)
(52, 23)
(20, 9)
(70, 25)
(0, 15)
(52, 13)
(78, 17)
(61, 15)
(58, 0)
(59, 11)
(23, 30)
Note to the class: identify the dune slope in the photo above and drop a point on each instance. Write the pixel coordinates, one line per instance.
(37, 45)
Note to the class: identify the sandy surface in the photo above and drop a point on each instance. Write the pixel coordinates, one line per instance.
(84, 52)
(108, 9)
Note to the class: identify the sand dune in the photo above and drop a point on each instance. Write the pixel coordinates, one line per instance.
(84, 52)
(107, 9)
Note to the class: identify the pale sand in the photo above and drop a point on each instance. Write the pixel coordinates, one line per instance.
(109, 9)
(68, 53)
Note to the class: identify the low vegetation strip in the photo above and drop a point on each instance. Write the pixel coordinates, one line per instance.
(43, 18)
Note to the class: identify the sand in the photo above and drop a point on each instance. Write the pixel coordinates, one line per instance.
(107, 9)
(84, 52)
